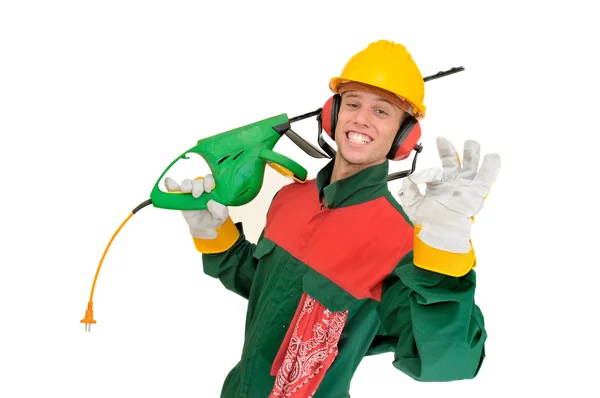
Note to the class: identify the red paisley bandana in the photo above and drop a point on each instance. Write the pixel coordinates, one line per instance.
(309, 348)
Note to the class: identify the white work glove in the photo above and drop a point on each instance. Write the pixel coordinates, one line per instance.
(203, 224)
(454, 194)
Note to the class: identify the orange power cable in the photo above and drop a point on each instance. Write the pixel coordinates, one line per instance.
(88, 319)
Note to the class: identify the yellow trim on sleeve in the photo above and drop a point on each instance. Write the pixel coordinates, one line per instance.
(227, 235)
(443, 262)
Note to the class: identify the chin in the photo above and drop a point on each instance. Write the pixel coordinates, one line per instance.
(359, 159)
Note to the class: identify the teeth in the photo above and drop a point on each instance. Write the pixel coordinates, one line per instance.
(358, 138)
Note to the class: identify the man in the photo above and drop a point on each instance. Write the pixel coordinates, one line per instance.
(341, 270)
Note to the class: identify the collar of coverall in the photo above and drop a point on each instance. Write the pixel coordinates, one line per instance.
(366, 185)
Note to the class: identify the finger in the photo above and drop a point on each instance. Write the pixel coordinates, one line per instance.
(449, 157)
(218, 211)
(427, 176)
(197, 188)
(490, 168)
(409, 194)
(209, 183)
(172, 185)
(470, 160)
(186, 185)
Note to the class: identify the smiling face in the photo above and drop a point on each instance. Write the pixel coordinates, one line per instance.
(366, 127)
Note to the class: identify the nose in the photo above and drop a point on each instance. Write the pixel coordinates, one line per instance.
(362, 116)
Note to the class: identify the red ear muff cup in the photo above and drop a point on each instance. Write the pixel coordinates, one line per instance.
(326, 116)
(406, 140)
(329, 114)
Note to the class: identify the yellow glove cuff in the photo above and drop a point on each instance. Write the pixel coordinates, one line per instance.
(443, 262)
(227, 235)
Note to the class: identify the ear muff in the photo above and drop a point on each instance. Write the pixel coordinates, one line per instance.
(406, 139)
(329, 115)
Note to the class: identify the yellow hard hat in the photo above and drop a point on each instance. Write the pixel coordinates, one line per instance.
(388, 66)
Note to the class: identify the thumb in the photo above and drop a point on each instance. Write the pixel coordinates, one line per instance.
(217, 210)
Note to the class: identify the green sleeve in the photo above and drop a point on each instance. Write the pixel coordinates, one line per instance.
(432, 319)
(235, 267)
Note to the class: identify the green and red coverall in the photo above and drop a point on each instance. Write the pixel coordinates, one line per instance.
(354, 255)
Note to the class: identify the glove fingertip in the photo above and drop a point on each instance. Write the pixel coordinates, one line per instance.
(471, 143)
(197, 188)
(444, 142)
(171, 185)
(186, 185)
(494, 158)
(209, 183)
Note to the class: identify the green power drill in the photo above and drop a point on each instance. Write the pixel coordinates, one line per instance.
(237, 159)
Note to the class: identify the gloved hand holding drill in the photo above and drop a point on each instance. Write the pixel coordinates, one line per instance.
(203, 224)
(454, 194)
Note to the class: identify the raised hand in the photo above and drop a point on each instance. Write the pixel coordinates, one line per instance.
(454, 194)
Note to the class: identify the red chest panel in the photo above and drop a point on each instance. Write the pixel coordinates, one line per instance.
(355, 247)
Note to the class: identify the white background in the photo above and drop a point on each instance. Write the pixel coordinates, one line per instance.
(97, 98)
